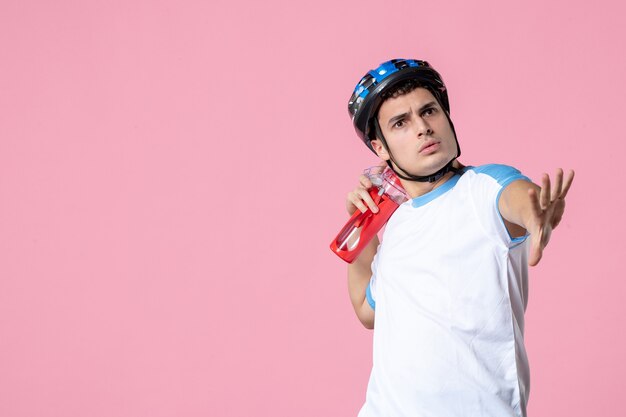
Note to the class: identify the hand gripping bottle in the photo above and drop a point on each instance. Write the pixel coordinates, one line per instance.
(388, 194)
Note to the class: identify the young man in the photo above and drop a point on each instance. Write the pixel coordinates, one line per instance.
(447, 287)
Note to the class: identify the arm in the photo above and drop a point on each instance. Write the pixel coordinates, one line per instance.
(360, 272)
(538, 210)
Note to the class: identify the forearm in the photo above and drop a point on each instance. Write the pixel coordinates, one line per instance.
(359, 274)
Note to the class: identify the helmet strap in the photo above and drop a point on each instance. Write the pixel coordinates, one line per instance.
(408, 176)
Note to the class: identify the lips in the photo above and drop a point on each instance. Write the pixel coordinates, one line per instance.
(429, 147)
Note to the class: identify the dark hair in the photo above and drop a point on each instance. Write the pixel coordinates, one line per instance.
(401, 89)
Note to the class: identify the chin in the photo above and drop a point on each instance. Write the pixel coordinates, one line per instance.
(425, 166)
(432, 168)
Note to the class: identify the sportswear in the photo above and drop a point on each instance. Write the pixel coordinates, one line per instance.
(449, 287)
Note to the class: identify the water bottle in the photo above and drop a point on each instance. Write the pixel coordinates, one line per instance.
(388, 194)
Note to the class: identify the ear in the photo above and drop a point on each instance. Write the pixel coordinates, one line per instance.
(380, 150)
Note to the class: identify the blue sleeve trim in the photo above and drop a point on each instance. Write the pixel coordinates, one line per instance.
(370, 299)
(505, 175)
(518, 239)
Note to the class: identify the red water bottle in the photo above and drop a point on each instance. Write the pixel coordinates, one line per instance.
(388, 194)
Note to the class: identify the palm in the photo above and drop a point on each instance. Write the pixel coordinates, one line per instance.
(547, 210)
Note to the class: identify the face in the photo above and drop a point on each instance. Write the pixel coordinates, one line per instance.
(417, 131)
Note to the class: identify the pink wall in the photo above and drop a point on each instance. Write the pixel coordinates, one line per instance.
(171, 174)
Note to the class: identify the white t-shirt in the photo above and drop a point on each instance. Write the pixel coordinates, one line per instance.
(449, 288)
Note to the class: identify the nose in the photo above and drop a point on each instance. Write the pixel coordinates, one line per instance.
(423, 128)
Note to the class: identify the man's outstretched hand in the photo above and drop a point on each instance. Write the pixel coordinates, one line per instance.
(547, 209)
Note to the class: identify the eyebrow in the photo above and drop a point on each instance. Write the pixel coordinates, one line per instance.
(405, 114)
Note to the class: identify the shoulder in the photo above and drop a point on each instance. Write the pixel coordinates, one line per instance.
(502, 174)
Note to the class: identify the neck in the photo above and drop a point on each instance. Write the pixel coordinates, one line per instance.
(415, 189)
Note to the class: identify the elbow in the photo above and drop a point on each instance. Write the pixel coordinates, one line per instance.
(365, 314)
(368, 323)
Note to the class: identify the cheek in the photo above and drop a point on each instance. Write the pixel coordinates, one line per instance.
(402, 143)
(446, 127)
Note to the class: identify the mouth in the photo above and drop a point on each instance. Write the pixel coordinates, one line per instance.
(429, 147)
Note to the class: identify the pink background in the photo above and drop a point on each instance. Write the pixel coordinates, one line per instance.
(171, 174)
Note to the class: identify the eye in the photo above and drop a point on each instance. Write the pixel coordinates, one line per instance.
(429, 111)
(399, 124)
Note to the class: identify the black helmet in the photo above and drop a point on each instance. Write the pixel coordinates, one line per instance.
(367, 98)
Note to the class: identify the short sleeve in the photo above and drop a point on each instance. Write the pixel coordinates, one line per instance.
(488, 184)
(370, 292)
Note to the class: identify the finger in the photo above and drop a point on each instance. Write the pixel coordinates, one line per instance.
(567, 184)
(534, 203)
(558, 183)
(367, 198)
(354, 200)
(365, 182)
(544, 197)
(353, 203)
(558, 213)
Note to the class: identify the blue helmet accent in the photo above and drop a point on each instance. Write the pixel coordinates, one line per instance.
(366, 98)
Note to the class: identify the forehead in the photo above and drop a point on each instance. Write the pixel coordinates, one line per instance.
(404, 103)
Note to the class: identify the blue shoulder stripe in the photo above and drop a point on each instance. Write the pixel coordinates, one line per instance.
(504, 174)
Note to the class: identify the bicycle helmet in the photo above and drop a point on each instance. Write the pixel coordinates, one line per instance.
(367, 98)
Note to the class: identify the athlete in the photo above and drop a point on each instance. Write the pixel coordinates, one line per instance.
(446, 289)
